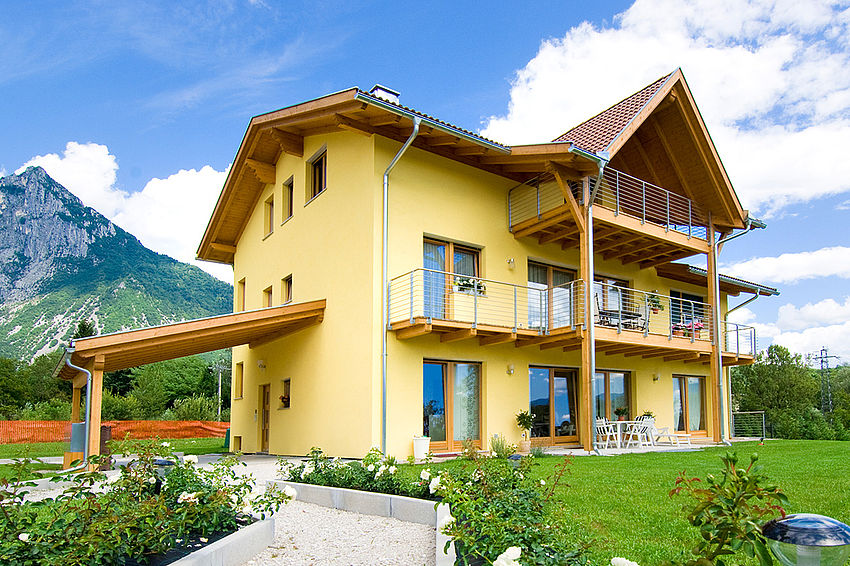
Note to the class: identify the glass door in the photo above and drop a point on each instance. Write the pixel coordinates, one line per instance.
(434, 282)
(612, 393)
(565, 421)
(550, 300)
(553, 405)
(689, 404)
(451, 404)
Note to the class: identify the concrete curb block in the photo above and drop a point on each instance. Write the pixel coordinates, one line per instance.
(398, 507)
(234, 549)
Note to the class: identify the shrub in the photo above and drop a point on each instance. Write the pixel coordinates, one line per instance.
(195, 408)
(95, 522)
(118, 408)
(52, 410)
(500, 447)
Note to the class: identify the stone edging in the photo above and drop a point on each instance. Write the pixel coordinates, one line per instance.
(398, 507)
(234, 549)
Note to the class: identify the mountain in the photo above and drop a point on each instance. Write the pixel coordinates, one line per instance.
(62, 262)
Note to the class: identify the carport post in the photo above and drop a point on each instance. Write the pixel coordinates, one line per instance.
(76, 394)
(96, 368)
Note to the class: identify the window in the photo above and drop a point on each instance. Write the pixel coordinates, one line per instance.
(237, 380)
(286, 290)
(612, 393)
(288, 191)
(685, 307)
(268, 218)
(689, 403)
(448, 267)
(240, 295)
(451, 403)
(267, 297)
(286, 388)
(552, 394)
(550, 300)
(318, 175)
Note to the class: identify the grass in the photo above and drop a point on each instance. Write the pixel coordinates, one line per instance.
(42, 449)
(620, 505)
(9, 470)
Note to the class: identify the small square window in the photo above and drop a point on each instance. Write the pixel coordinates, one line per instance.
(237, 380)
(240, 295)
(285, 396)
(318, 174)
(267, 297)
(288, 187)
(286, 290)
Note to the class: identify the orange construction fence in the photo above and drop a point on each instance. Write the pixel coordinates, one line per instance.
(26, 432)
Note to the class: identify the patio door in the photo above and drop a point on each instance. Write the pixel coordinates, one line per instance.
(689, 404)
(550, 296)
(451, 404)
(434, 282)
(552, 394)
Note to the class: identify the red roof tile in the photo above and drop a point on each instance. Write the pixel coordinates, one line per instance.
(597, 133)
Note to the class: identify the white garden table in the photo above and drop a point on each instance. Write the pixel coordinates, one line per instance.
(622, 426)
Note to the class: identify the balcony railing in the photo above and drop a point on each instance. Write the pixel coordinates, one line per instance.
(618, 192)
(739, 339)
(624, 308)
(438, 295)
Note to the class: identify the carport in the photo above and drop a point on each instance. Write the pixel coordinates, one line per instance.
(121, 350)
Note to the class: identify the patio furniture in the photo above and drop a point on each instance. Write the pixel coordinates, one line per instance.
(673, 438)
(638, 433)
(606, 432)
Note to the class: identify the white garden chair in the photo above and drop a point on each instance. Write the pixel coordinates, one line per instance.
(605, 432)
(639, 433)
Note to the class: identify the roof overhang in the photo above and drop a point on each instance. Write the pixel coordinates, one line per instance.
(122, 350)
(698, 276)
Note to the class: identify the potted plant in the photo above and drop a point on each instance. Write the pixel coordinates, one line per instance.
(679, 329)
(654, 302)
(525, 420)
(621, 413)
(468, 284)
(648, 413)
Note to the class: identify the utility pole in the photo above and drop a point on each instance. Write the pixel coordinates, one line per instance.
(825, 386)
(219, 367)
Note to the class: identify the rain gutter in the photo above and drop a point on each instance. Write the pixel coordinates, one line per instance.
(385, 284)
(69, 351)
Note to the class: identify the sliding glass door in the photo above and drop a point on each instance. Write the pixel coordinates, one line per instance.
(451, 404)
(612, 393)
(550, 298)
(689, 404)
(552, 395)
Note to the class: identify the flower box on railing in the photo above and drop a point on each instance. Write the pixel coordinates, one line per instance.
(469, 285)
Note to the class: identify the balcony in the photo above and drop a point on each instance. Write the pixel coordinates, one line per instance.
(635, 221)
(629, 322)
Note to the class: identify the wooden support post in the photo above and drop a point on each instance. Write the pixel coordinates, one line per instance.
(76, 393)
(587, 344)
(716, 346)
(96, 368)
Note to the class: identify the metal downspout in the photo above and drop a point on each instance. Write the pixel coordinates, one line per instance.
(385, 284)
(84, 463)
(752, 224)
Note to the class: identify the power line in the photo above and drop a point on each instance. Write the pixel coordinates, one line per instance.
(823, 358)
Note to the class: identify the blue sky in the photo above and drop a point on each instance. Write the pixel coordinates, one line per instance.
(139, 108)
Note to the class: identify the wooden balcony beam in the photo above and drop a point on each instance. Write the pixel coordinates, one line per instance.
(413, 331)
(496, 339)
(462, 334)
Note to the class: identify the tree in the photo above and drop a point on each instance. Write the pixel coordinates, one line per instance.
(776, 381)
(84, 328)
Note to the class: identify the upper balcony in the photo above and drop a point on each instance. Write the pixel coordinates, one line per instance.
(634, 221)
(629, 322)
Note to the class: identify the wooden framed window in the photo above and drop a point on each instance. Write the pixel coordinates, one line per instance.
(285, 393)
(613, 391)
(238, 373)
(689, 403)
(240, 295)
(268, 216)
(286, 290)
(553, 394)
(318, 175)
(451, 403)
(611, 293)
(550, 296)
(267, 297)
(449, 267)
(287, 200)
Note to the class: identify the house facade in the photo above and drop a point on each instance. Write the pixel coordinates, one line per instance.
(465, 280)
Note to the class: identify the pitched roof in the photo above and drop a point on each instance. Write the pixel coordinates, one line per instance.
(598, 133)
(697, 276)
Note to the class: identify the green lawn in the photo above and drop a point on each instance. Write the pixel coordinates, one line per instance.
(41, 449)
(620, 505)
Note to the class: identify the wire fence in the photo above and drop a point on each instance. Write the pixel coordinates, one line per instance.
(28, 432)
(749, 424)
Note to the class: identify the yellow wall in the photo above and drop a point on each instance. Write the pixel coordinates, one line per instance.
(332, 247)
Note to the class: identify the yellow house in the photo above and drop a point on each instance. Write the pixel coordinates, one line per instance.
(465, 280)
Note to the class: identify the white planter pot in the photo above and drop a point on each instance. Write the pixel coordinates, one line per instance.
(421, 447)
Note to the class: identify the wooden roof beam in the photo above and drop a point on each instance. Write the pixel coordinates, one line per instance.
(353, 125)
(226, 248)
(290, 143)
(265, 172)
(672, 257)
(677, 168)
(562, 175)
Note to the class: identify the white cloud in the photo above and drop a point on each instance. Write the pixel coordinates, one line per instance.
(794, 267)
(835, 337)
(843, 205)
(168, 215)
(823, 313)
(767, 75)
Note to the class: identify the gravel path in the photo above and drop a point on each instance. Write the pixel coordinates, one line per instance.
(308, 534)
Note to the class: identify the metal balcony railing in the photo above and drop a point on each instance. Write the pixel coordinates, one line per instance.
(622, 193)
(439, 295)
(624, 308)
(738, 339)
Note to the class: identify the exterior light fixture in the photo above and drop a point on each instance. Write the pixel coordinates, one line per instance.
(511, 263)
(806, 539)
(261, 364)
(510, 369)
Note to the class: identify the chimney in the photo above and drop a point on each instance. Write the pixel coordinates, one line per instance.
(388, 94)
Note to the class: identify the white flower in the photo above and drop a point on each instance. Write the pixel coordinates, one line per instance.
(24, 537)
(617, 561)
(383, 468)
(290, 492)
(542, 482)
(392, 469)
(284, 473)
(203, 539)
(371, 467)
(425, 475)
(190, 459)
(151, 480)
(509, 557)
(186, 497)
(446, 522)
(434, 485)
(166, 444)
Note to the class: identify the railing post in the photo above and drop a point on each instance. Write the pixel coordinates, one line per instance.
(543, 326)
(475, 303)
(619, 311)
(690, 218)
(737, 340)
(643, 202)
(693, 323)
(616, 192)
(667, 227)
(515, 318)
(646, 314)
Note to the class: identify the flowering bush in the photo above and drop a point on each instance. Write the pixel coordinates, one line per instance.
(141, 512)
